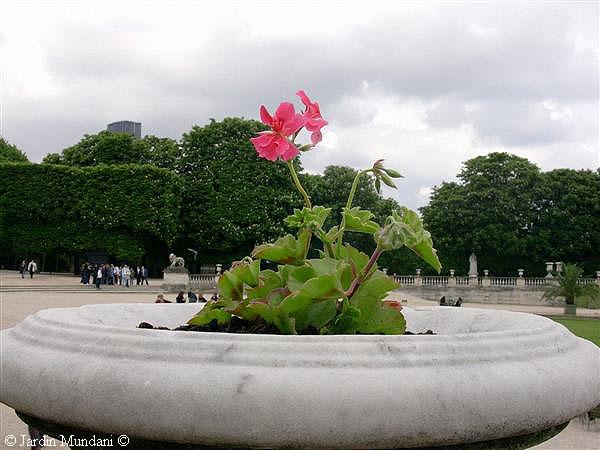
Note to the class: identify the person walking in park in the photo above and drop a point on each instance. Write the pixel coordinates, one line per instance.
(98, 277)
(22, 268)
(144, 275)
(32, 268)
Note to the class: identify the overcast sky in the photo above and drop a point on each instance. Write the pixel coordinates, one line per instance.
(424, 85)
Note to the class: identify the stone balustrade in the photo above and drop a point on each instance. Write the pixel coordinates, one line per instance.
(533, 282)
(482, 289)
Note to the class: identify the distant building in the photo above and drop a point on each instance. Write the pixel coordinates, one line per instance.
(126, 126)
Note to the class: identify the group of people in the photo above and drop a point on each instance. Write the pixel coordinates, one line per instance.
(110, 274)
(181, 298)
(31, 268)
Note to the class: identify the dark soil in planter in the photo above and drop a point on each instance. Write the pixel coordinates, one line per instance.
(239, 325)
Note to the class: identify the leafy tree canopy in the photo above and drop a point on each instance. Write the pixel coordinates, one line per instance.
(514, 216)
(10, 153)
(119, 209)
(232, 198)
(107, 147)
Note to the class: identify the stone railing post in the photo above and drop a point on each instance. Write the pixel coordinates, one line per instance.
(598, 276)
(418, 279)
(549, 269)
(485, 282)
(451, 278)
(521, 280)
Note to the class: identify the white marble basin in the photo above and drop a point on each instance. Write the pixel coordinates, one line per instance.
(485, 375)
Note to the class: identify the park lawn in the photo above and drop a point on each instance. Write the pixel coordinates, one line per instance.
(587, 328)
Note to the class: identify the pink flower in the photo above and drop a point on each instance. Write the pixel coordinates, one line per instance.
(314, 120)
(274, 144)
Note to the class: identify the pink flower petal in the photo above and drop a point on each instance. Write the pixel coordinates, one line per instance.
(265, 117)
(285, 112)
(304, 98)
(288, 151)
(293, 125)
(316, 137)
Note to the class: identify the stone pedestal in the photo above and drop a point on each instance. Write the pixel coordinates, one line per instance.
(175, 279)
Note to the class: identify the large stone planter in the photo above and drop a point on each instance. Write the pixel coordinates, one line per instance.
(488, 375)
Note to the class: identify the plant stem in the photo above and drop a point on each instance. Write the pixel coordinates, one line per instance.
(349, 205)
(364, 273)
(298, 184)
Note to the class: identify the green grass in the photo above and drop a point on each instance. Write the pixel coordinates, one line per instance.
(587, 328)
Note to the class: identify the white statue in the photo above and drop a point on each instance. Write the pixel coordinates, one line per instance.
(176, 261)
(473, 265)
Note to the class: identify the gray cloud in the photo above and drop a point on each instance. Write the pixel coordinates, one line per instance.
(519, 76)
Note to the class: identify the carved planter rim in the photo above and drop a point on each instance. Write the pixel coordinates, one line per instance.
(486, 375)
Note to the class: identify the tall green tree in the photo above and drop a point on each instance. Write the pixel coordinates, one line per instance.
(569, 218)
(232, 199)
(491, 210)
(10, 153)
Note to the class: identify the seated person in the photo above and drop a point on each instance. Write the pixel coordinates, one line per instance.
(180, 298)
(201, 299)
(160, 298)
(192, 298)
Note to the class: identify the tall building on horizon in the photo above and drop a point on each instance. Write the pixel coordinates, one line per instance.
(126, 126)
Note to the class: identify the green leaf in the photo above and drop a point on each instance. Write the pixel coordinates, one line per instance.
(357, 259)
(346, 322)
(298, 275)
(285, 250)
(313, 218)
(378, 185)
(375, 317)
(230, 286)
(316, 315)
(267, 281)
(323, 266)
(405, 228)
(357, 219)
(205, 316)
(315, 289)
(247, 271)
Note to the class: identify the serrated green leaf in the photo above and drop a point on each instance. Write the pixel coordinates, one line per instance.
(375, 317)
(230, 286)
(315, 289)
(405, 228)
(378, 185)
(285, 250)
(359, 220)
(312, 218)
(247, 272)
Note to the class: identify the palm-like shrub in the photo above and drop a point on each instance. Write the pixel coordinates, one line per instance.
(568, 286)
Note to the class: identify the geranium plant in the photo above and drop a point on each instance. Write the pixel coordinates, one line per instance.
(340, 292)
